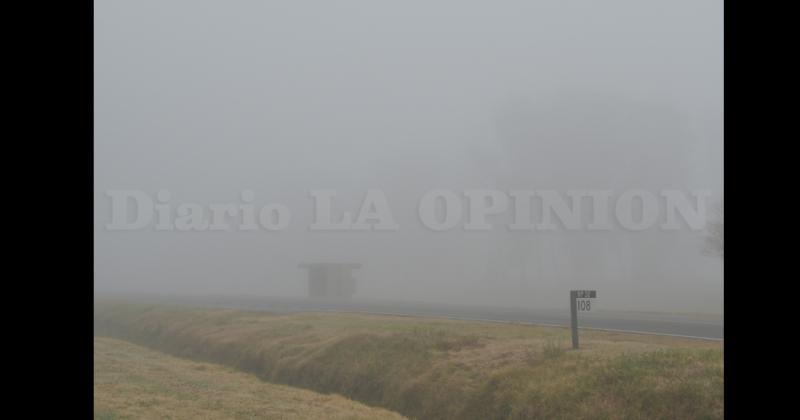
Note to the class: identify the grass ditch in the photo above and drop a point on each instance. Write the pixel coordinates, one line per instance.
(133, 382)
(441, 369)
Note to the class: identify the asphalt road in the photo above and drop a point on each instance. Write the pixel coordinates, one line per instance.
(710, 328)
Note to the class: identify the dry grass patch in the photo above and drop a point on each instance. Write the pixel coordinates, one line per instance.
(134, 382)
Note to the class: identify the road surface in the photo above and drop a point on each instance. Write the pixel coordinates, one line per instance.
(705, 327)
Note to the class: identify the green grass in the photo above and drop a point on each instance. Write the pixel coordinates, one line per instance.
(442, 369)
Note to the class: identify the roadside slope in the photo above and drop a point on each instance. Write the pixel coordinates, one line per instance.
(131, 381)
(442, 369)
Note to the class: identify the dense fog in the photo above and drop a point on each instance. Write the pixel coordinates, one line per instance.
(228, 101)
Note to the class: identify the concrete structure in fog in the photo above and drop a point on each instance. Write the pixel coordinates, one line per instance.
(331, 279)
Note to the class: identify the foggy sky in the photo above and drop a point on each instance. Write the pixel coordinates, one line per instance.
(209, 98)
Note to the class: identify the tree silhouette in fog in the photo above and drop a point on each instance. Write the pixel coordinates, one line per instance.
(715, 240)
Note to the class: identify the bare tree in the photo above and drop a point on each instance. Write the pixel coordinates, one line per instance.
(714, 239)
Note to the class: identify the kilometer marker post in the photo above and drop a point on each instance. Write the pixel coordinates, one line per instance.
(574, 295)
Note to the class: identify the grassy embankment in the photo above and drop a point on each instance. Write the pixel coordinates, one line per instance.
(132, 382)
(447, 369)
